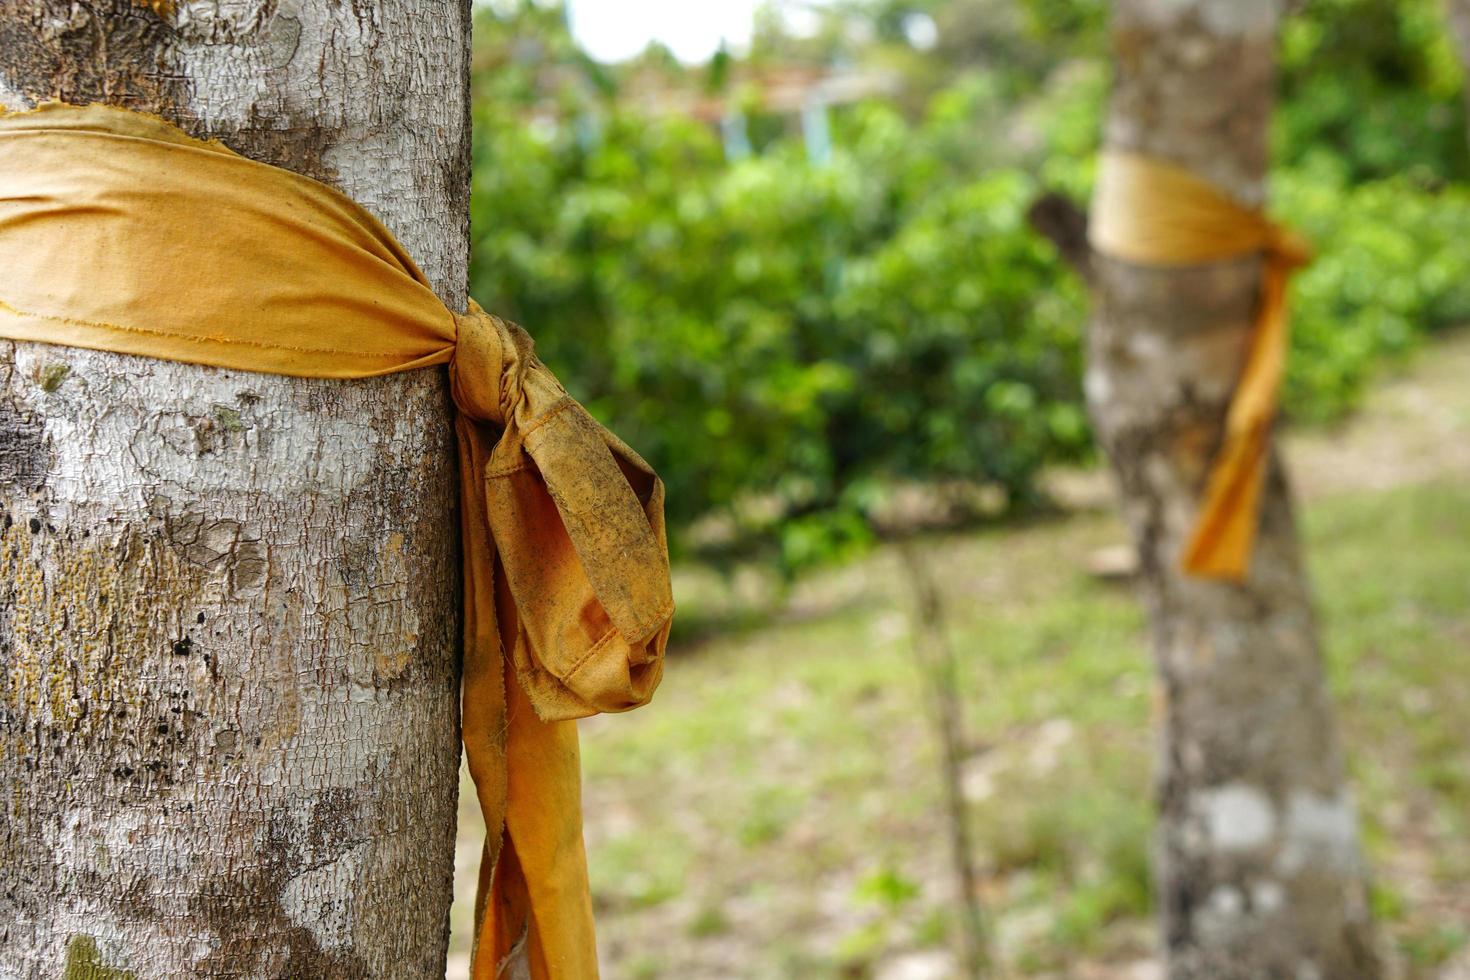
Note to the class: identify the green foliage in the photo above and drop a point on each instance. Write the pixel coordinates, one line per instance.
(888, 888)
(965, 373)
(785, 338)
(1069, 25)
(1371, 89)
(1391, 266)
(778, 329)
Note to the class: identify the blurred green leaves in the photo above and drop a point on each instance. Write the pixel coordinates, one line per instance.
(1391, 265)
(779, 330)
(1371, 88)
(783, 339)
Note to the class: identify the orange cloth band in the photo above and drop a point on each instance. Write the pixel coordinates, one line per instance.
(1151, 212)
(565, 560)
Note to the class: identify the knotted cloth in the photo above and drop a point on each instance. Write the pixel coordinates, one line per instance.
(103, 215)
(1151, 212)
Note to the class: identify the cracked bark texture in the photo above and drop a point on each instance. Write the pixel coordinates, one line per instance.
(229, 602)
(1259, 867)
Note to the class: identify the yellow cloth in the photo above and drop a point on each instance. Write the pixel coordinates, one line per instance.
(1151, 212)
(118, 232)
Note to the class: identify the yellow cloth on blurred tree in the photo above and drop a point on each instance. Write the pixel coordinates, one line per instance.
(1151, 212)
(566, 569)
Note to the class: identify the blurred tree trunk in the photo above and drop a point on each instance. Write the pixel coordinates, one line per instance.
(1459, 17)
(228, 601)
(1259, 869)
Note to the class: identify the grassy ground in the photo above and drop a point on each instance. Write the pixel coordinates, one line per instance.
(776, 812)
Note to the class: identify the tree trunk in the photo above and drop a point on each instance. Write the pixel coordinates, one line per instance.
(229, 601)
(1458, 12)
(1259, 868)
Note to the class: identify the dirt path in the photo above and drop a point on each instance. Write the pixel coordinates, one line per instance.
(1413, 428)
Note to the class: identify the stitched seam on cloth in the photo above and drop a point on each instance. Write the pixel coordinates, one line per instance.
(563, 405)
(197, 338)
(647, 627)
(658, 619)
(596, 648)
(566, 403)
(509, 469)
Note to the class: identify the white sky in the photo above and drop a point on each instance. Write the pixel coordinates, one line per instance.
(615, 30)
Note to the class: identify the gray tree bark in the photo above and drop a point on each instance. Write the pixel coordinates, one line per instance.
(1259, 869)
(1458, 13)
(229, 602)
